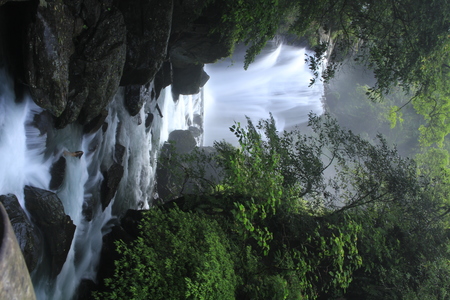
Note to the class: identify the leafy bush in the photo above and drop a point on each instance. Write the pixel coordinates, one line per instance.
(179, 255)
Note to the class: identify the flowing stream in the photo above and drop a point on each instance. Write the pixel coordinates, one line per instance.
(276, 82)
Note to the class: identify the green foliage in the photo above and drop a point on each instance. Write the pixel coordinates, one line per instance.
(296, 216)
(178, 255)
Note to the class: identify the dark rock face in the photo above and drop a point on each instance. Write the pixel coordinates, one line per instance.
(47, 56)
(149, 120)
(189, 80)
(119, 152)
(162, 79)
(57, 171)
(74, 57)
(197, 48)
(170, 178)
(27, 235)
(126, 231)
(95, 124)
(97, 67)
(148, 29)
(102, 58)
(133, 99)
(184, 141)
(57, 228)
(110, 183)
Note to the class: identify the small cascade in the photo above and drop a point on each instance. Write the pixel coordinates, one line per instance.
(184, 113)
(277, 82)
(21, 147)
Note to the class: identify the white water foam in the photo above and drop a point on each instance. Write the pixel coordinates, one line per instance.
(277, 83)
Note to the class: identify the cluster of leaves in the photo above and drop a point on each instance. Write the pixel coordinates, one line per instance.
(296, 216)
(178, 255)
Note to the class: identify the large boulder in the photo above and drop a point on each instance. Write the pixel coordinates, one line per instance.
(188, 80)
(170, 175)
(49, 47)
(48, 214)
(183, 141)
(57, 173)
(74, 57)
(27, 235)
(148, 25)
(110, 183)
(96, 67)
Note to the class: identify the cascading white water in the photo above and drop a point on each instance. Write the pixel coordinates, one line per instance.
(21, 148)
(277, 82)
(26, 155)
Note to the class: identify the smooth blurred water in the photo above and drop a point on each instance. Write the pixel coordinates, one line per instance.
(277, 82)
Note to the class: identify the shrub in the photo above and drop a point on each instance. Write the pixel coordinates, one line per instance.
(179, 255)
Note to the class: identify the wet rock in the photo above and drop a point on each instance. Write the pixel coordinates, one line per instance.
(99, 62)
(185, 12)
(27, 235)
(133, 99)
(148, 29)
(162, 79)
(48, 50)
(85, 289)
(110, 183)
(5, 1)
(95, 124)
(196, 132)
(119, 152)
(149, 120)
(188, 80)
(57, 172)
(57, 228)
(198, 120)
(170, 181)
(197, 48)
(130, 222)
(43, 121)
(109, 254)
(184, 141)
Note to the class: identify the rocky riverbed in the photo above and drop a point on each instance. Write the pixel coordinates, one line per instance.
(72, 57)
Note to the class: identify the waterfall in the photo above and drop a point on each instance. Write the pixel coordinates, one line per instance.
(26, 156)
(277, 82)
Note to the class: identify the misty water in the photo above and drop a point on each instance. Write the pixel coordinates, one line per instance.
(277, 82)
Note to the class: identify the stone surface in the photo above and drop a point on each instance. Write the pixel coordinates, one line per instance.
(57, 228)
(188, 80)
(184, 141)
(49, 47)
(15, 282)
(110, 183)
(57, 173)
(27, 235)
(95, 124)
(97, 67)
(133, 99)
(162, 79)
(148, 25)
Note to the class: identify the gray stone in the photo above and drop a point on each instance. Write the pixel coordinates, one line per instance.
(57, 228)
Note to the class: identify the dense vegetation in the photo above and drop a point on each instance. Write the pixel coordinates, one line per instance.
(326, 215)
(295, 216)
